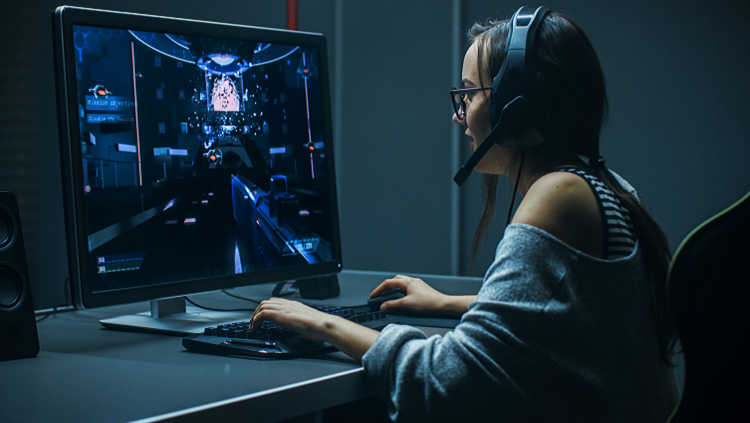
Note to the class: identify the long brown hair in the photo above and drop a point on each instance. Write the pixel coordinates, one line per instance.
(575, 110)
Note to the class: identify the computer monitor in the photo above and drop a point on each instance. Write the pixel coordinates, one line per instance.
(196, 156)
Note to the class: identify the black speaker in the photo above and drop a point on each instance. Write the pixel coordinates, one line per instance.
(18, 335)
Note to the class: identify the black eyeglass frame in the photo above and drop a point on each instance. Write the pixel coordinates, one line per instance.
(457, 98)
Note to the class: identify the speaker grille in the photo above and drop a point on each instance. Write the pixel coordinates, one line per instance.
(6, 228)
(11, 286)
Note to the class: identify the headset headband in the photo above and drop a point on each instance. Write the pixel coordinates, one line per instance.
(518, 75)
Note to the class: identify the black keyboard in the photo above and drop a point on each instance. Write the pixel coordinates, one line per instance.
(273, 341)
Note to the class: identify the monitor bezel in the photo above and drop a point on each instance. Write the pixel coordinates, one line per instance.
(64, 19)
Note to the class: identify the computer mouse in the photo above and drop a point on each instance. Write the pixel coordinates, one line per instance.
(391, 295)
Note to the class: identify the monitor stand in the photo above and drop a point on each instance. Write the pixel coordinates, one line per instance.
(317, 288)
(172, 317)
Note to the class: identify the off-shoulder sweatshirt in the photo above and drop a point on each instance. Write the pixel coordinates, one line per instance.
(554, 335)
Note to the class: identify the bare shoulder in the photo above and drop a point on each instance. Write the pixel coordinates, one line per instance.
(563, 205)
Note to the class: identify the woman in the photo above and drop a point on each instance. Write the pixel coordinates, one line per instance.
(570, 323)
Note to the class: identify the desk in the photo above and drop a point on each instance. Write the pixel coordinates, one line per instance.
(87, 373)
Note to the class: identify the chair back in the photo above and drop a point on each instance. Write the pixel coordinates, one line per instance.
(709, 299)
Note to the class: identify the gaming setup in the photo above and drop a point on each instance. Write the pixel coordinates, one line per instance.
(198, 157)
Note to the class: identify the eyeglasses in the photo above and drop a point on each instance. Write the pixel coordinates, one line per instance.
(457, 97)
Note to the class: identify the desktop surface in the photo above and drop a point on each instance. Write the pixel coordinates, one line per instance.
(87, 373)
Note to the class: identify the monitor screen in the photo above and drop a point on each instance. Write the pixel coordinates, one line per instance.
(196, 156)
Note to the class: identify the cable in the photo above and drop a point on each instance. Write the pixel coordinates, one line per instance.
(217, 309)
(241, 298)
(68, 306)
(515, 189)
(66, 291)
(46, 316)
(53, 311)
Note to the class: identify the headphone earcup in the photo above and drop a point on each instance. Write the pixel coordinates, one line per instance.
(532, 138)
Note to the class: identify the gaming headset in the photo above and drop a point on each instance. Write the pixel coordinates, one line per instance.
(513, 90)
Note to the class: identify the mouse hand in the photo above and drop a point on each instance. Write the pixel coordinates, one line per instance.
(421, 297)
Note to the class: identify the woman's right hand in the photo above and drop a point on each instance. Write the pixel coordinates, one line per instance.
(421, 298)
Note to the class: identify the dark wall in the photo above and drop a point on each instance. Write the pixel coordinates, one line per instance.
(395, 178)
(676, 73)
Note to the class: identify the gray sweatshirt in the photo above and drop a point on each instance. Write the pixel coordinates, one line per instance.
(555, 335)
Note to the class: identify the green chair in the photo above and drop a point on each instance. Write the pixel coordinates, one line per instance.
(709, 298)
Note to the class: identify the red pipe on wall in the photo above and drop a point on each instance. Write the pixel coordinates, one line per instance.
(291, 15)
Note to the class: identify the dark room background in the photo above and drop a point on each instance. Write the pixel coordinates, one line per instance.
(678, 128)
